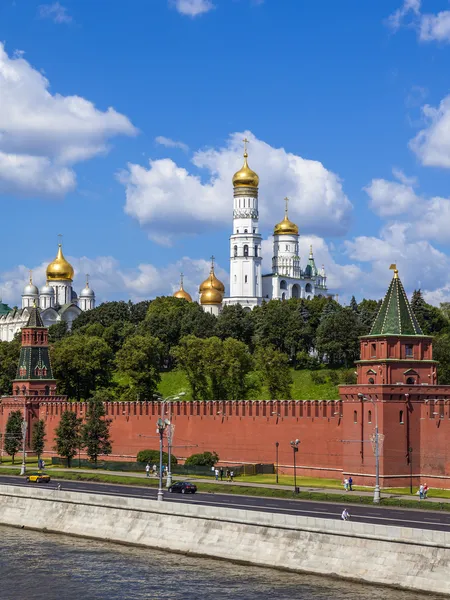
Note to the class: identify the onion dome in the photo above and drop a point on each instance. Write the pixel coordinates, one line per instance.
(245, 177)
(87, 292)
(60, 269)
(30, 289)
(211, 290)
(47, 290)
(181, 293)
(211, 296)
(286, 226)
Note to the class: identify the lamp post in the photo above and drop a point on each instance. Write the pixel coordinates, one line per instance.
(410, 470)
(160, 428)
(276, 452)
(294, 446)
(23, 468)
(376, 492)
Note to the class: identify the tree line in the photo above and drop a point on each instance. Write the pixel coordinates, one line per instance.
(120, 349)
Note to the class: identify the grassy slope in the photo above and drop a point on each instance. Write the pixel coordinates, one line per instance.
(303, 387)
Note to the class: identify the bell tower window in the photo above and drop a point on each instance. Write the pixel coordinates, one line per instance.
(246, 250)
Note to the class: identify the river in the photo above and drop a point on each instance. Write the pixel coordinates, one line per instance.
(39, 566)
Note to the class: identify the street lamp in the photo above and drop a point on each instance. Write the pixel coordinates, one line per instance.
(23, 468)
(410, 470)
(160, 428)
(376, 493)
(169, 427)
(276, 452)
(294, 446)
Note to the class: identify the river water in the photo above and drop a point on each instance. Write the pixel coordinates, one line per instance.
(39, 566)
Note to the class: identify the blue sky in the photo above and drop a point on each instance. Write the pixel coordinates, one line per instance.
(121, 127)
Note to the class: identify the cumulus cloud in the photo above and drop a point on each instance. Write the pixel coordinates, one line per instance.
(110, 281)
(432, 144)
(389, 198)
(429, 26)
(56, 12)
(169, 143)
(42, 135)
(170, 199)
(193, 8)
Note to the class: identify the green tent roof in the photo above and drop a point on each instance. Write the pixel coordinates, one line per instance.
(395, 316)
(4, 308)
(35, 319)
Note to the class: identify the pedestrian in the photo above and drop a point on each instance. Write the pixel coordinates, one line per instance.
(147, 470)
(425, 491)
(216, 474)
(39, 464)
(421, 492)
(345, 515)
(155, 469)
(350, 483)
(231, 475)
(42, 464)
(228, 474)
(221, 473)
(346, 484)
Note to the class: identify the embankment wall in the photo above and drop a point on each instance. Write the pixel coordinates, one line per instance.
(408, 558)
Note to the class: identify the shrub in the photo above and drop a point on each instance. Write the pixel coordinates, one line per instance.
(206, 459)
(306, 361)
(152, 457)
(333, 377)
(317, 378)
(348, 377)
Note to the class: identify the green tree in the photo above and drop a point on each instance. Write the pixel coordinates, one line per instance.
(189, 356)
(140, 358)
(138, 311)
(273, 366)
(68, 436)
(105, 314)
(441, 353)
(152, 457)
(235, 322)
(272, 322)
(95, 431)
(9, 359)
(205, 459)
(331, 307)
(430, 318)
(57, 331)
(354, 305)
(82, 364)
(38, 437)
(116, 334)
(368, 310)
(13, 433)
(237, 366)
(338, 338)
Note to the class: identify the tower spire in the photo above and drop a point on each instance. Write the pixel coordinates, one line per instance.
(87, 280)
(181, 280)
(286, 204)
(310, 251)
(246, 141)
(30, 272)
(393, 267)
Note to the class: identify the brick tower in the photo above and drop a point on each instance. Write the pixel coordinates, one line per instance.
(396, 388)
(34, 373)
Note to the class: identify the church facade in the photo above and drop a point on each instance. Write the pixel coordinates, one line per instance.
(57, 300)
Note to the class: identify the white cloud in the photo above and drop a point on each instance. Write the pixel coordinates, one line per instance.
(432, 144)
(56, 12)
(169, 143)
(389, 198)
(112, 282)
(430, 27)
(169, 201)
(42, 135)
(193, 8)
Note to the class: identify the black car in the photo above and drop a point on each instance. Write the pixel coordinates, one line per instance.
(183, 487)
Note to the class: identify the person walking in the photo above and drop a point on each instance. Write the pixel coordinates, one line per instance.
(221, 473)
(216, 474)
(346, 484)
(345, 515)
(231, 476)
(421, 492)
(228, 474)
(425, 491)
(350, 483)
(155, 469)
(147, 470)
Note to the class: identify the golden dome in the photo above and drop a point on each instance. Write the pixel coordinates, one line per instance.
(211, 296)
(181, 293)
(286, 227)
(245, 177)
(60, 269)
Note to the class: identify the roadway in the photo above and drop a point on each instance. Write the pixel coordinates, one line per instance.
(419, 519)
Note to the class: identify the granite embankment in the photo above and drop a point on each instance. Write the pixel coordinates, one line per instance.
(410, 558)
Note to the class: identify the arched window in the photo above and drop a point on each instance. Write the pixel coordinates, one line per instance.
(256, 250)
(245, 250)
(235, 251)
(283, 296)
(400, 417)
(235, 278)
(245, 230)
(47, 390)
(355, 416)
(308, 287)
(371, 380)
(283, 285)
(369, 416)
(245, 279)
(410, 380)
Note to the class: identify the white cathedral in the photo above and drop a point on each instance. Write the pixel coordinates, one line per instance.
(248, 286)
(56, 300)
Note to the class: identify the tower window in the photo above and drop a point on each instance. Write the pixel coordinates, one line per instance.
(254, 231)
(355, 416)
(287, 247)
(246, 250)
(373, 349)
(245, 230)
(400, 417)
(245, 279)
(408, 351)
(256, 250)
(235, 251)
(369, 416)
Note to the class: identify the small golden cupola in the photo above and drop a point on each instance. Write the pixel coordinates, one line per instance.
(60, 269)
(245, 177)
(211, 290)
(286, 226)
(181, 293)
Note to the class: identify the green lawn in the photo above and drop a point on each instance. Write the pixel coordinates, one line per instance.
(303, 387)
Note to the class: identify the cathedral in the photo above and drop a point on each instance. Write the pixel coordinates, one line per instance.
(249, 287)
(56, 300)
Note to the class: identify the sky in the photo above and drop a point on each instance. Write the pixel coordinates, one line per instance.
(121, 126)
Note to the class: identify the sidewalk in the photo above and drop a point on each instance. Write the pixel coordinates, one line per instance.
(240, 483)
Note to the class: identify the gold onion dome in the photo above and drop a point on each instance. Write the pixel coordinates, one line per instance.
(286, 226)
(181, 293)
(60, 269)
(245, 177)
(211, 290)
(211, 296)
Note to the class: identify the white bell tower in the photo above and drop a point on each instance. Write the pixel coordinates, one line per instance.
(245, 241)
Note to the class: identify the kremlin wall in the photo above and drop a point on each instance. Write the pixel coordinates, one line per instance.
(396, 389)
